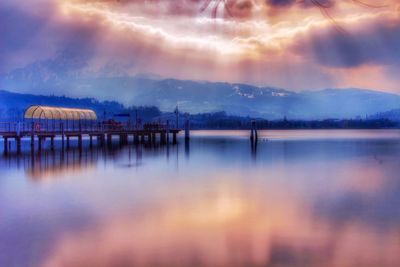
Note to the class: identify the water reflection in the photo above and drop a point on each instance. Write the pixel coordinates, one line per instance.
(52, 164)
(217, 201)
(187, 149)
(40, 165)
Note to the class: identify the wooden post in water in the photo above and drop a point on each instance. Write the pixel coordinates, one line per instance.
(102, 139)
(187, 129)
(121, 139)
(33, 137)
(167, 132)
(5, 145)
(253, 133)
(174, 138)
(80, 141)
(136, 138)
(52, 143)
(62, 135)
(18, 140)
(109, 140)
(40, 143)
(163, 138)
(149, 137)
(256, 132)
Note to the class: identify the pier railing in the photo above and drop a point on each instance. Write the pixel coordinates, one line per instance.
(43, 130)
(76, 126)
(58, 127)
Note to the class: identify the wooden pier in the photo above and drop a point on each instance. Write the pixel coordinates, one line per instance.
(104, 134)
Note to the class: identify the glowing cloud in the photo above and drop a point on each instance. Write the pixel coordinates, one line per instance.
(287, 43)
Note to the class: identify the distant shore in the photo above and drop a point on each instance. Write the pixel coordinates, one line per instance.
(242, 124)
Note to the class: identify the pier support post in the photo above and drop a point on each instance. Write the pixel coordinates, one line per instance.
(32, 137)
(62, 136)
(40, 143)
(52, 143)
(167, 132)
(90, 141)
(148, 138)
(124, 139)
(68, 142)
(163, 139)
(102, 139)
(32, 142)
(254, 134)
(5, 145)
(109, 140)
(135, 138)
(80, 141)
(174, 138)
(187, 130)
(121, 139)
(18, 140)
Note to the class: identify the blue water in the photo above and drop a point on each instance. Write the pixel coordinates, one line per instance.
(299, 198)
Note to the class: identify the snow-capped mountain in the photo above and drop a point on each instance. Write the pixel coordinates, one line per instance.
(69, 77)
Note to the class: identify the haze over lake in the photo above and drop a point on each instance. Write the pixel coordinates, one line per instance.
(300, 198)
(199, 133)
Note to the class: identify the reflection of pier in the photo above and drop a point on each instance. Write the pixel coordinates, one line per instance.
(53, 163)
(49, 164)
(47, 123)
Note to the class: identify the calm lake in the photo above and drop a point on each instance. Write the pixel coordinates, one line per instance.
(300, 198)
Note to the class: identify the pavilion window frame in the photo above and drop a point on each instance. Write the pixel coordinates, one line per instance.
(63, 115)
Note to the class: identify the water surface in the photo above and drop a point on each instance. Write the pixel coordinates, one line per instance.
(300, 198)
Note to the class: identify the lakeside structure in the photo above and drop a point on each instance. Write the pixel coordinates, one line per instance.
(43, 123)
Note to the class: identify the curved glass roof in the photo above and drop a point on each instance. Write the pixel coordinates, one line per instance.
(56, 113)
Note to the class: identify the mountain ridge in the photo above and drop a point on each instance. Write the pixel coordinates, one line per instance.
(61, 76)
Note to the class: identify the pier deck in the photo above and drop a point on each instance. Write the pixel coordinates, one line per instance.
(103, 133)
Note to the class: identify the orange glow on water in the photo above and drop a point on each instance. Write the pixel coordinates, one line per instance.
(327, 201)
(227, 225)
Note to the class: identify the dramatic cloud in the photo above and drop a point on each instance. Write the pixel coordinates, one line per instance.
(374, 43)
(29, 36)
(286, 43)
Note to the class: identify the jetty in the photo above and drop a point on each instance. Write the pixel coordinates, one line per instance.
(43, 123)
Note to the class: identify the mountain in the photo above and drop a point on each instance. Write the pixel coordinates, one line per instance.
(15, 103)
(393, 115)
(12, 105)
(68, 76)
(265, 102)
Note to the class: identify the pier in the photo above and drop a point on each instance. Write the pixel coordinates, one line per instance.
(102, 134)
(43, 124)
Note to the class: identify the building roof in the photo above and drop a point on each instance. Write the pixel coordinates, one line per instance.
(58, 113)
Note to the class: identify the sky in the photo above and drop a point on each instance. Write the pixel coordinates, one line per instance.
(292, 44)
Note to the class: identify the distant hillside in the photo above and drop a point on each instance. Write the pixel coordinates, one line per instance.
(393, 115)
(264, 102)
(12, 105)
(191, 96)
(19, 102)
